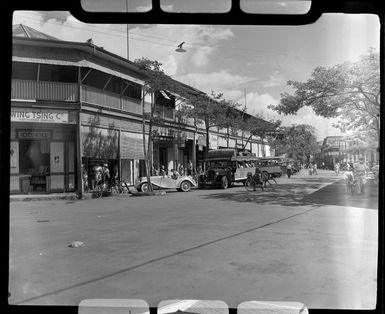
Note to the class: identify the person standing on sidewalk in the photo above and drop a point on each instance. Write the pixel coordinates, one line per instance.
(315, 168)
(337, 168)
(289, 169)
(189, 168)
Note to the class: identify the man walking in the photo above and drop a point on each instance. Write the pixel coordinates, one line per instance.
(289, 168)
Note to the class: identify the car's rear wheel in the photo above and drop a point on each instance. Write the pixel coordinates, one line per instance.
(144, 187)
(185, 186)
(224, 183)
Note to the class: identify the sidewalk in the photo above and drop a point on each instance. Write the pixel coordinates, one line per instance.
(44, 197)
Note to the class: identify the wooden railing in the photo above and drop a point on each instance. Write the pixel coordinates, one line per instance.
(59, 91)
(107, 99)
(33, 90)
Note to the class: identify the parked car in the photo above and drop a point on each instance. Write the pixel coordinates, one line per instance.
(224, 167)
(181, 184)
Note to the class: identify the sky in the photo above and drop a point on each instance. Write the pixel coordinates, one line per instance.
(248, 64)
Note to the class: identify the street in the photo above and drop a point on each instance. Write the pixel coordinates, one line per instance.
(304, 240)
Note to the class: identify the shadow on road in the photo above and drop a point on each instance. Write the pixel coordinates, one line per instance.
(305, 192)
(335, 194)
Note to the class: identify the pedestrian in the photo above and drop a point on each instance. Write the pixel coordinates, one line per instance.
(315, 168)
(199, 169)
(85, 178)
(337, 168)
(174, 174)
(289, 169)
(189, 168)
(97, 175)
(162, 171)
(106, 173)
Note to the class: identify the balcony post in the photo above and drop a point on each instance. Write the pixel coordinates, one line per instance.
(79, 170)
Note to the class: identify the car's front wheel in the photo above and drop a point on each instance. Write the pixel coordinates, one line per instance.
(224, 182)
(144, 187)
(185, 186)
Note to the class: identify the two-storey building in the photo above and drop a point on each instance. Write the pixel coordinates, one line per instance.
(74, 104)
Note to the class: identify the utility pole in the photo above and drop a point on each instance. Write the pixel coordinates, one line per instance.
(128, 46)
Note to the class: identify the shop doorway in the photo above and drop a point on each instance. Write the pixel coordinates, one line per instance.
(163, 161)
(57, 178)
(127, 170)
(34, 161)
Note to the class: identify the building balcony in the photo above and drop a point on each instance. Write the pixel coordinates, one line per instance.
(33, 90)
(95, 96)
(69, 92)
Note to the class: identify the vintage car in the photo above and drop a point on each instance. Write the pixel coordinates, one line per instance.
(181, 184)
(225, 167)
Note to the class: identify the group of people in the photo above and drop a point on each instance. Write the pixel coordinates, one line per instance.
(99, 174)
(180, 170)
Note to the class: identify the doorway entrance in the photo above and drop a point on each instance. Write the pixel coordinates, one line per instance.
(34, 161)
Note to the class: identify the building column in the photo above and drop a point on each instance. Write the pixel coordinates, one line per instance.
(79, 170)
(79, 153)
(194, 153)
(175, 159)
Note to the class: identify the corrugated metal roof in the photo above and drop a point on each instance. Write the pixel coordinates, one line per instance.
(21, 30)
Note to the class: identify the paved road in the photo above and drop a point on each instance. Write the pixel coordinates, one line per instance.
(303, 240)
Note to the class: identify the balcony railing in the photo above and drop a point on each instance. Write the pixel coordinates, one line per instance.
(107, 99)
(33, 90)
(59, 91)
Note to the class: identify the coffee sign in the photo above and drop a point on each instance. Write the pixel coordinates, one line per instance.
(39, 115)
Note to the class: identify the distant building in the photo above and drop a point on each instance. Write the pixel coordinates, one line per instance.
(345, 149)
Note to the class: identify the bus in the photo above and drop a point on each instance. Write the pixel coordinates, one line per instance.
(271, 165)
(225, 167)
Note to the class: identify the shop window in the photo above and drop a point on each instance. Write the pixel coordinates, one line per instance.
(58, 73)
(24, 71)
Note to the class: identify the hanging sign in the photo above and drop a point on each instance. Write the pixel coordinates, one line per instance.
(39, 115)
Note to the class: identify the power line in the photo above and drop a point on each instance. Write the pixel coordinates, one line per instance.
(123, 32)
(189, 46)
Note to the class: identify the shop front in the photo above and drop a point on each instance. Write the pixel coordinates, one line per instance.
(132, 156)
(42, 151)
(164, 153)
(99, 147)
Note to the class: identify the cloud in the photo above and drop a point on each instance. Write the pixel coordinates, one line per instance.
(275, 79)
(143, 8)
(59, 16)
(156, 42)
(170, 65)
(220, 81)
(257, 105)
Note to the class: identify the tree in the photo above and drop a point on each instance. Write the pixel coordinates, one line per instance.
(265, 130)
(297, 141)
(349, 91)
(157, 82)
(212, 111)
(257, 126)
